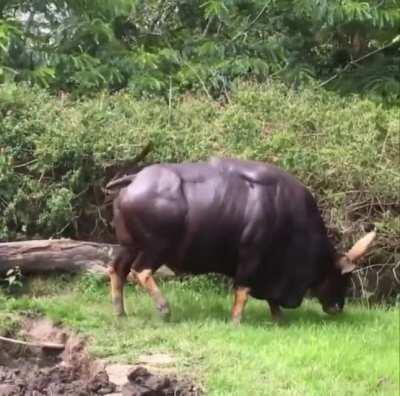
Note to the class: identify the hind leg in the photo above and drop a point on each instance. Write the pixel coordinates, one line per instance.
(276, 313)
(146, 280)
(118, 272)
(142, 271)
(241, 295)
(246, 270)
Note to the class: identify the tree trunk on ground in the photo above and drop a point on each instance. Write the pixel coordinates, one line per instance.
(60, 255)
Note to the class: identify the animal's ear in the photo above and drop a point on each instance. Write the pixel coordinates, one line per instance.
(345, 265)
(361, 246)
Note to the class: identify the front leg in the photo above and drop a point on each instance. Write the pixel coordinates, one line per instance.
(241, 295)
(117, 286)
(146, 280)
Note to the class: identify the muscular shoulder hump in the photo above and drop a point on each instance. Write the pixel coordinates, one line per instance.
(254, 171)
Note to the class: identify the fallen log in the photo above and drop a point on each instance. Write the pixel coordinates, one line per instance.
(60, 255)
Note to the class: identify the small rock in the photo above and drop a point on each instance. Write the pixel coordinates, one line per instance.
(138, 373)
(100, 384)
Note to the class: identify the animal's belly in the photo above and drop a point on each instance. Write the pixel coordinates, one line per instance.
(202, 257)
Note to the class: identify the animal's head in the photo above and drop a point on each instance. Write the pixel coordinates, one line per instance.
(331, 292)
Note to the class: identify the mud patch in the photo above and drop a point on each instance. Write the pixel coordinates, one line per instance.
(57, 380)
(142, 382)
(38, 371)
(34, 370)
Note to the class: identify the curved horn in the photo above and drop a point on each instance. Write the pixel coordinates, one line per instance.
(361, 246)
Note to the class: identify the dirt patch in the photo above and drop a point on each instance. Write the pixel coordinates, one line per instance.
(29, 379)
(36, 370)
(142, 382)
(42, 330)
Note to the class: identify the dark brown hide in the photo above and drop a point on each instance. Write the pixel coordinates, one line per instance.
(244, 219)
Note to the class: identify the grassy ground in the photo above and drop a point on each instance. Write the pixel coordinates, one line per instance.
(309, 354)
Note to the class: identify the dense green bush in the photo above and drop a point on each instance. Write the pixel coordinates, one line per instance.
(154, 45)
(57, 153)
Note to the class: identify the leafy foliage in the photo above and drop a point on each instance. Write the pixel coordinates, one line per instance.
(159, 46)
(12, 281)
(57, 153)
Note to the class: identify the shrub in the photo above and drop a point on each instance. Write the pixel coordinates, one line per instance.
(57, 153)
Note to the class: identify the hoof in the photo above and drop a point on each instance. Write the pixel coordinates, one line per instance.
(277, 320)
(164, 311)
(236, 321)
(118, 307)
(120, 314)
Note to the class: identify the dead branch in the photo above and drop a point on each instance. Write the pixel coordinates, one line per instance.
(41, 345)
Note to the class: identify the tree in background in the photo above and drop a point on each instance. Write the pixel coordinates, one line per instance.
(155, 46)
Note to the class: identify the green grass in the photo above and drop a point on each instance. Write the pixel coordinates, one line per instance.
(356, 353)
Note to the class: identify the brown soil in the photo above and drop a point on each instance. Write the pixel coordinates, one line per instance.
(36, 371)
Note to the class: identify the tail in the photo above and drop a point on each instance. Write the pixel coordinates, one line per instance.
(120, 182)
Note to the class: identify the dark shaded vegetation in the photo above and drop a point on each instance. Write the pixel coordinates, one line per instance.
(164, 47)
(57, 155)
